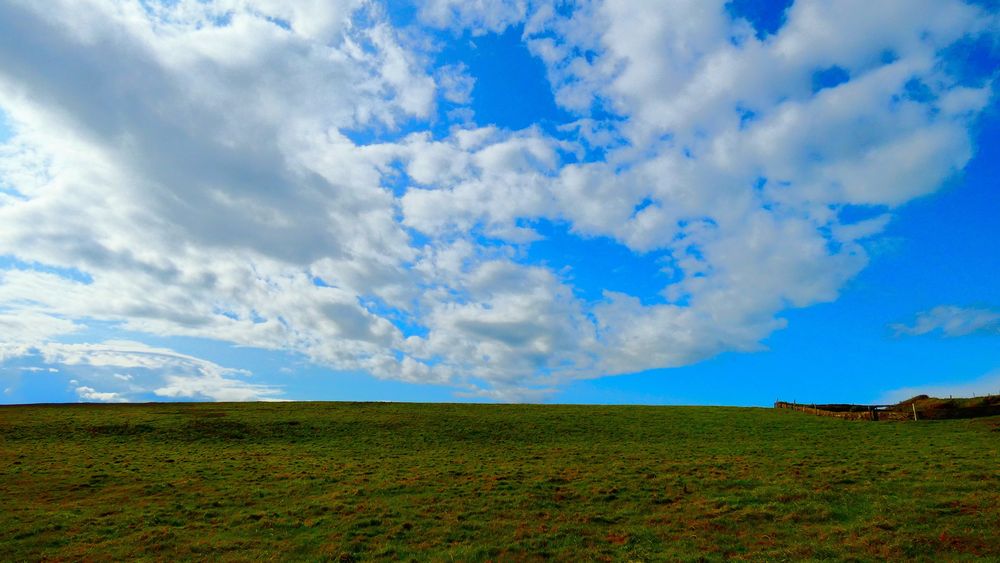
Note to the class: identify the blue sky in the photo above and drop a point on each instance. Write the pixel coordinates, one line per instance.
(493, 201)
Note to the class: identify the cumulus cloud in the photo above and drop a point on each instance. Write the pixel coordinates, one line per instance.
(456, 84)
(196, 169)
(91, 394)
(951, 320)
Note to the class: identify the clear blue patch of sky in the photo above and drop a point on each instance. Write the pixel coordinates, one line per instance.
(973, 60)
(851, 214)
(594, 264)
(918, 91)
(401, 13)
(6, 132)
(8, 262)
(766, 16)
(5, 127)
(511, 89)
(18, 385)
(829, 78)
(405, 322)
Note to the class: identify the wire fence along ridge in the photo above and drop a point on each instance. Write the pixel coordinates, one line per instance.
(921, 407)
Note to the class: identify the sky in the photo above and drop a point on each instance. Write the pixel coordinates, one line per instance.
(620, 201)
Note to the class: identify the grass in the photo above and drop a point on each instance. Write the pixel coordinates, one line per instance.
(344, 482)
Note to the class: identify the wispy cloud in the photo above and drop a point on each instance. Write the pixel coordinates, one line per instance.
(951, 320)
(95, 369)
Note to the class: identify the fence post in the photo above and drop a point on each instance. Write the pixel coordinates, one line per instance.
(914, 405)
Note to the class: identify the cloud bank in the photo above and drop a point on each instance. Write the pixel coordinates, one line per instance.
(275, 175)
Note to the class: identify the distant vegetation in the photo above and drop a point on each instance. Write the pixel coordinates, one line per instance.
(920, 407)
(935, 408)
(346, 482)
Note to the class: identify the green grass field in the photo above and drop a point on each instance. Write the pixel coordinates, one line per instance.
(344, 481)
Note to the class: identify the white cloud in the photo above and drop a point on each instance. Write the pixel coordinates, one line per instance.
(26, 326)
(490, 180)
(456, 83)
(214, 387)
(951, 320)
(91, 394)
(480, 16)
(158, 371)
(316, 19)
(189, 170)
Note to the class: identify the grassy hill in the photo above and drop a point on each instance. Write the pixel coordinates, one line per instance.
(935, 408)
(345, 481)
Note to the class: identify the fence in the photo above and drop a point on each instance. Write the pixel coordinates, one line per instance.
(918, 408)
(848, 412)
